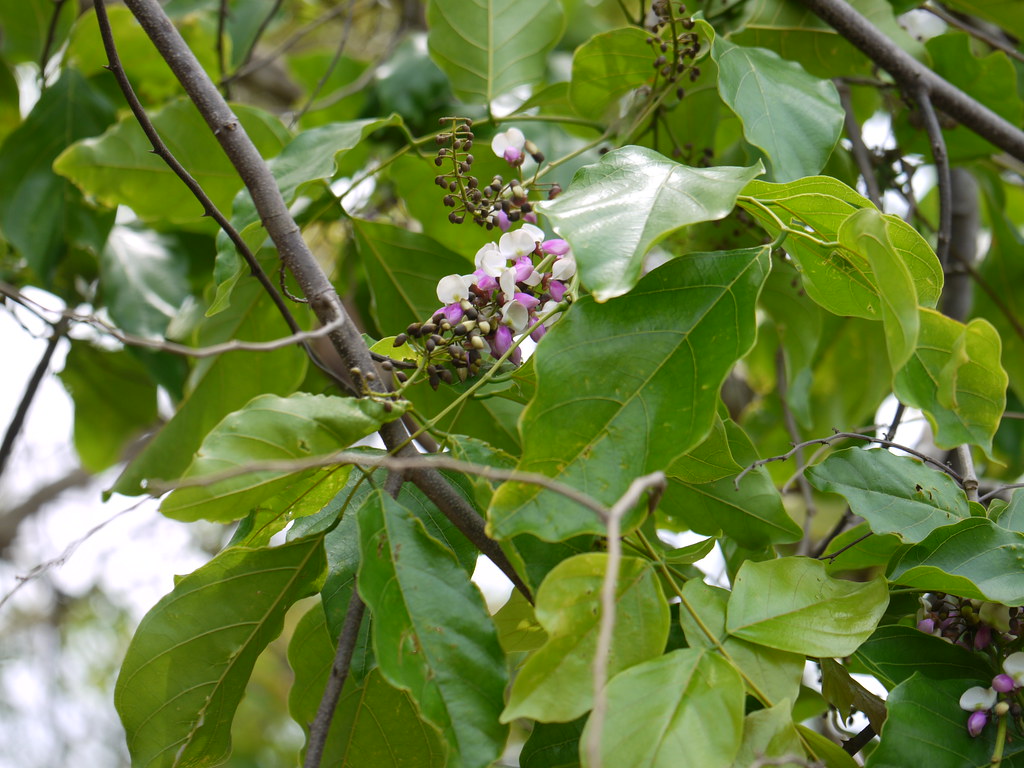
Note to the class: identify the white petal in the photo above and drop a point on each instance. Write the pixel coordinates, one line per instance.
(515, 315)
(533, 279)
(563, 268)
(1013, 665)
(507, 282)
(452, 288)
(977, 698)
(490, 260)
(533, 231)
(548, 306)
(513, 137)
(515, 244)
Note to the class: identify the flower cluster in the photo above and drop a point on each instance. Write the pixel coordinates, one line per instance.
(997, 700)
(972, 624)
(519, 285)
(501, 202)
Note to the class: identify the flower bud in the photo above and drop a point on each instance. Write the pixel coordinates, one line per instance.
(976, 723)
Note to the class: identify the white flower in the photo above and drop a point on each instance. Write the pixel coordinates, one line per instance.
(507, 282)
(978, 698)
(533, 231)
(453, 288)
(490, 260)
(1013, 665)
(563, 268)
(548, 307)
(515, 315)
(513, 139)
(517, 243)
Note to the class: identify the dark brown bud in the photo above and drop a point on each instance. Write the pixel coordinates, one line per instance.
(454, 218)
(400, 340)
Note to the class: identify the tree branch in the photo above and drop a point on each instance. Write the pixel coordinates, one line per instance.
(31, 389)
(945, 183)
(861, 155)
(910, 75)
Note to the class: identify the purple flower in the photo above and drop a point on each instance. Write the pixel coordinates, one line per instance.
(453, 312)
(925, 625)
(485, 282)
(501, 341)
(1003, 683)
(524, 268)
(557, 290)
(982, 637)
(527, 300)
(538, 333)
(530, 218)
(501, 219)
(556, 247)
(509, 145)
(976, 722)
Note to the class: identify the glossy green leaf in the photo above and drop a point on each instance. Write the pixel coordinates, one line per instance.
(771, 733)
(895, 494)
(627, 387)
(752, 514)
(272, 428)
(119, 167)
(659, 713)
(432, 633)
(956, 378)
(791, 29)
(864, 235)
(374, 724)
(840, 281)
(974, 558)
(556, 682)
(188, 664)
(1011, 517)
(488, 47)
(927, 727)
(144, 279)
(617, 209)
(767, 672)
(403, 269)
(777, 100)
(115, 401)
(219, 386)
(830, 753)
(40, 211)
(775, 601)
(894, 653)
(607, 67)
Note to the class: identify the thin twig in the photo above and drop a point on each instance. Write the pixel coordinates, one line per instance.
(858, 742)
(973, 31)
(131, 340)
(861, 155)
(60, 329)
(845, 519)
(999, 490)
(51, 33)
(782, 387)
(222, 64)
(833, 555)
(342, 42)
(259, 32)
(890, 433)
(321, 725)
(851, 436)
(655, 484)
(945, 182)
(970, 481)
(910, 74)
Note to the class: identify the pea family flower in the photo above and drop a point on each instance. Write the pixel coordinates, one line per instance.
(978, 701)
(509, 145)
(512, 289)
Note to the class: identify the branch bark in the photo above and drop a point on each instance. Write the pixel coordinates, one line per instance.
(911, 75)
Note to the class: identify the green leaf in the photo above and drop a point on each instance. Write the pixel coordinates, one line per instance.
(768, 672)
(1005, 13)
(556, 682)
(617, 209)
(775, 601)
(974, 558)
(219, 386)
(144, 280)
(39, 211)
(403, 269)
(553, 745)
(794, 31)
(840, 281)
(374, 724)
(187, 666)
(927, 727)
(115, 401)
(489, 47)
(27, 26)
(827, 750)
(864, 234)
(895, 494)
(711, 460)
(1012, 516)
(752, 514)
(119, 167)
(894, 653)
(777, 101)
(771, 733)
(848, 696)
(607, 67)
(660, 713)
(627, 387)
(518, 628)
(860, 552)
(432, 634)
(956, 378)
(272, 428)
